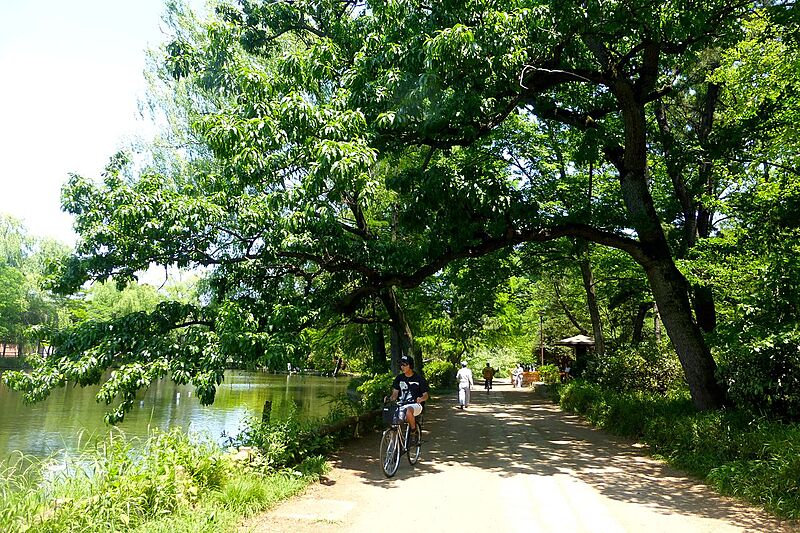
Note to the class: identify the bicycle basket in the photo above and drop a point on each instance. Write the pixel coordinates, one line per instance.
(390, 414)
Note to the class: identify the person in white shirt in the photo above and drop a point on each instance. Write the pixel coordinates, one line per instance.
(516, 376)
(464, 378)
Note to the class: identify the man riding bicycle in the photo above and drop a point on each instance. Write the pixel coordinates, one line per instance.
(412, 391)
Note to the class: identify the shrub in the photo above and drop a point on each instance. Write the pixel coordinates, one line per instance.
(169, 484)
(644, 368)
(577, 396)
(440, 374)
(373, 390)
(751, 458)
(550, 374)
(624, 413)
(763, 374)
(113, 486)
(283, 443)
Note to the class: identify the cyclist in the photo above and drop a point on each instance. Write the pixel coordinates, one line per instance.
(411, 390)
(488, 376)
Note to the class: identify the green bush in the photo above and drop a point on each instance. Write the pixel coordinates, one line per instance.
(577, 396)
(284, 443)
(116, 485)
(762, 374)
(644, 368)
(13, 363)
(168, 483)
(440, 374)
(550, 374)
(373, 390)
(624, 413)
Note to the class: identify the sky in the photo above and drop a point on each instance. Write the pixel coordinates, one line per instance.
(71, 77)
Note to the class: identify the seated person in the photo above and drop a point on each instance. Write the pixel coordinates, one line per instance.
(411, 390)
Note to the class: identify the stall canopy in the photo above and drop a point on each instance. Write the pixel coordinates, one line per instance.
(577, 340)
(580, 344)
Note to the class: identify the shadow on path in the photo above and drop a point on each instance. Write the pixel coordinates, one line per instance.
(511, 432)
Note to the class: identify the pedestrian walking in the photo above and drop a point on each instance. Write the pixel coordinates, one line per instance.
(516, 375)
(465, 384)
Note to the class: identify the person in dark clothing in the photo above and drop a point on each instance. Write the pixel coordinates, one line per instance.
(411, 390)
(488, 376)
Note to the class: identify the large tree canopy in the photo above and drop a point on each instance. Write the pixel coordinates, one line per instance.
(355, 149)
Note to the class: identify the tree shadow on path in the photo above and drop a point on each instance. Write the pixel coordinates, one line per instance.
(511, 432)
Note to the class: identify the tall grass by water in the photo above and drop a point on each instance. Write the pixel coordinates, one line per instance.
(738, 453)
(170, 482)
(167, 483)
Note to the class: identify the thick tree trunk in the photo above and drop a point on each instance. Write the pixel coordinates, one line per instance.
(396, 350)
(638, 323)
(670, 289)
(704, 309)
(379, 362)
(403, 344)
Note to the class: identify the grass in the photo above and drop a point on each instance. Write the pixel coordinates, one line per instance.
(243, 496)
(739, 454)
(173, 485)
(169, 482)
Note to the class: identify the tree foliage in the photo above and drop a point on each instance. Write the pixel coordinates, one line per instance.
(378, 161)
(27, 311)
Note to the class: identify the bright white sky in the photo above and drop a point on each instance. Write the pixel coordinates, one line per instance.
(71, 76)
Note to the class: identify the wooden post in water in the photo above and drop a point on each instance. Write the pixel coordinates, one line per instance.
(265, 414)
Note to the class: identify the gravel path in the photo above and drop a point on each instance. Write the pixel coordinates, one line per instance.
(511, 462)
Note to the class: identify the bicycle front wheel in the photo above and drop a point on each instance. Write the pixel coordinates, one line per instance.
(413, 449)
(390, 452)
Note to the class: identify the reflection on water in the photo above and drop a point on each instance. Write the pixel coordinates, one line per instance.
(71, 416)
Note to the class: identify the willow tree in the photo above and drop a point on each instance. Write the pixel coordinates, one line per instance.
(351, 150)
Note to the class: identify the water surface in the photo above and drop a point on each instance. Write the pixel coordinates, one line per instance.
(71, 415)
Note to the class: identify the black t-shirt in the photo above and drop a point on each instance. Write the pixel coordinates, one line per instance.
(411, 387)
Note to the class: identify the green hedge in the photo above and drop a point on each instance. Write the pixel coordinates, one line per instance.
(440, 374)
(550, 374)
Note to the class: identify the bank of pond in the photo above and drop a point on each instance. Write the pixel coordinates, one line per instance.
(171, 479)
(72, 415)
(179, 484)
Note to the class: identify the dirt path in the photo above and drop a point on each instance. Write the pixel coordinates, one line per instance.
(511, 463)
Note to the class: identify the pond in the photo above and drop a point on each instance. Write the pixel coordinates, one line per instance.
(71, 416)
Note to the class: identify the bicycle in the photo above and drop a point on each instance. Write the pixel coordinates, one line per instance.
(395, 440)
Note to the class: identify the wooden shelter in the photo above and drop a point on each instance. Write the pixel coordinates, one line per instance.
(580, 344)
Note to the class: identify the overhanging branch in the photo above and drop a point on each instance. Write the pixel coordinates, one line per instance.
(488, 245)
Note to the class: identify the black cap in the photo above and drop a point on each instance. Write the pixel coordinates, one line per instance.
(407, 359)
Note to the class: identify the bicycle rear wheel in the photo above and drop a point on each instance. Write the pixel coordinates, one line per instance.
(390, 452)
(413, 449)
